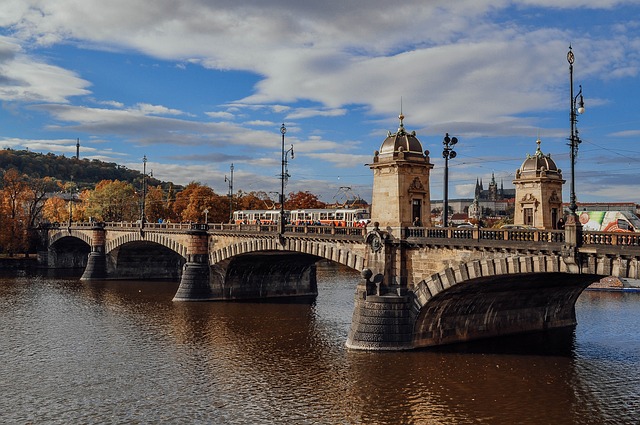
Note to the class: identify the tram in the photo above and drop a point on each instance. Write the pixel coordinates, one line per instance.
(330, 216)
(310, 216)
(258, 216)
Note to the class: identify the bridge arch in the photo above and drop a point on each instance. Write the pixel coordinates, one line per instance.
(60, 234)
(158, 238)
(495, 297)
(342, 254)
(68, 248)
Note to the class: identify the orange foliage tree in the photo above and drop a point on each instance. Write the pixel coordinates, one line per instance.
(301, 200)
(194, 199)
(155, 207)
(13, 213)
(253, 201)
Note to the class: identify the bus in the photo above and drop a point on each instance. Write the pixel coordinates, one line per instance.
(330, 216)
(258, 216)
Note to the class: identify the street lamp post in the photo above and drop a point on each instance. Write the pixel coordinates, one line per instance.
(206, 216)
(144, 190)
(71, 201)
(283, 177)
(230, 194)
(574, 140)
(447, 153)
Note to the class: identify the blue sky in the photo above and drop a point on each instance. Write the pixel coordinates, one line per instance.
(197, 85)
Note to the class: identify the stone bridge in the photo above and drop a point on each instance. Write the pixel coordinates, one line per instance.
(419, 286)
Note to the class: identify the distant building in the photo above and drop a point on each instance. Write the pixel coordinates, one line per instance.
(493, 193)
(490, 202)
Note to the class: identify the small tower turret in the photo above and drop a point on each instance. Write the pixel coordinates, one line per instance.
(538, 185)
(401, 181)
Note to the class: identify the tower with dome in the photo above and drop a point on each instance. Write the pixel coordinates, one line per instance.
(538, 184)
(401, 181)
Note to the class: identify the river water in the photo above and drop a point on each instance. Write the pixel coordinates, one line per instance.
(122, 352)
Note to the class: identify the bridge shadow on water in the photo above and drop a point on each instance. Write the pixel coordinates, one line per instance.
(553, 343)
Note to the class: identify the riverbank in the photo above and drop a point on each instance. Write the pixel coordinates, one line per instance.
(615, 284)
(20, 261)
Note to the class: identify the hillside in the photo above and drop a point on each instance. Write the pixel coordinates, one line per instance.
(84, 172)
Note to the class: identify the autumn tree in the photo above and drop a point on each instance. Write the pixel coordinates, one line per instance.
(14, 213)
(55, 210)
(113, 201)
(300, 200)
(194, 199)
(36, 190)
(253, 201)
(155, 207)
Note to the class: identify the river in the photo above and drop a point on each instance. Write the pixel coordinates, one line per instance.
(122, 352)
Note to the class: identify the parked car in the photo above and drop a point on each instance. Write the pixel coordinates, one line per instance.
(466, 226)
(513, 227)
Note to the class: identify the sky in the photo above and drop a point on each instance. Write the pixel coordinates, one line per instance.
(199, 85)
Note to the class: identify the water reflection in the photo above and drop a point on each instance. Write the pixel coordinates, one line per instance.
(118, 351)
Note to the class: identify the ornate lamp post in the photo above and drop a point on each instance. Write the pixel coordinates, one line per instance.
(574, 141)
(230, 180)
(283, 177)
(144, 190)
(70, 201)
(447, 153)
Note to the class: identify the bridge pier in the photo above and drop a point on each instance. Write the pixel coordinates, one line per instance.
(382, 321)
(194, 283)
(97, 261)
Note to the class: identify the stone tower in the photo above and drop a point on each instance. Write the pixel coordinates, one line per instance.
(401, 181)
(538, 185)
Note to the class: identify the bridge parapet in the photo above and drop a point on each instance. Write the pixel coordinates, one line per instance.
(611, 238)
(518, 235)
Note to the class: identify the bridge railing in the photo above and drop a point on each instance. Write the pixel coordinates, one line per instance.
(520, 235)
(611, 238)
(454, 233)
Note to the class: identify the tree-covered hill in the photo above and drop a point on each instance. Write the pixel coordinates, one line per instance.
(85, 173)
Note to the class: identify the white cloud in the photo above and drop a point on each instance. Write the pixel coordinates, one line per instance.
(221, 115)
(28, 79)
